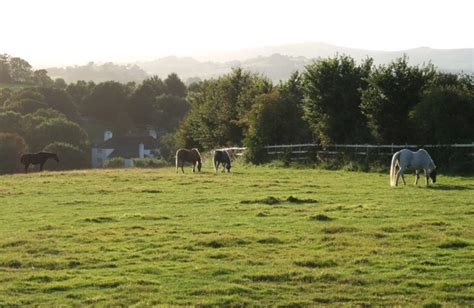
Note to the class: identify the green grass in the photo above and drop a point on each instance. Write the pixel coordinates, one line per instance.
(257, 236)
(13, 86)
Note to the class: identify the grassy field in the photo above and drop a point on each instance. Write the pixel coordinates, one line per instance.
(258, 236)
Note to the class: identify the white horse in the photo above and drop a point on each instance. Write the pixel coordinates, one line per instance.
(418, 160)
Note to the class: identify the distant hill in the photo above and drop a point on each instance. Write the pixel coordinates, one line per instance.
(276, 62)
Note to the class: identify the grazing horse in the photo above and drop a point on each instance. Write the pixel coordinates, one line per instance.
(193, 156)
(418, 160)
(37, 158)
(221, 157)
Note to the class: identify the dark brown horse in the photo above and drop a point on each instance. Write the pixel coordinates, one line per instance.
(37, 158)
(193, 156)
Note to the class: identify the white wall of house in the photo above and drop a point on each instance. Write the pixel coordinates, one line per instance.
(99, 156)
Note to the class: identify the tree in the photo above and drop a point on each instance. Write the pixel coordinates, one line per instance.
(170, 111)
(41, 78)
(25, 106)
(70, 157)
(276, 118)
(57, 130)
(141, 103)
(79, 91)
(20, 70)
(391, 94)
(332, 99)
(106, 101)
(219, 108)
(445, 115)
(11, 122)
(60, 100)
(60, 83)
(5, 68)
(168, 147)
(12, 147)
(174, 86)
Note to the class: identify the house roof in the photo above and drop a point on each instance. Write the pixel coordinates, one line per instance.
(125, 142)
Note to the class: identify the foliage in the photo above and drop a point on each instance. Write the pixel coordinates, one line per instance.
(444, 115)
(174, 86)
(170, 111)
(12, 146)
(48, 131)
(144, 237)
(70, 157)
(106, 100)
(276, 118)
(332, 99)
(140, 106)
(393, 91)
(219, 108)
(149, 163)
(168, 147)
(116, 162)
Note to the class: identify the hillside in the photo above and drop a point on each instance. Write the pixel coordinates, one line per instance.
(257, 236)
(276, 62)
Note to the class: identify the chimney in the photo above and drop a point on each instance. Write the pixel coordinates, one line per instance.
(152, 133)
(107, 135)
(141, 150)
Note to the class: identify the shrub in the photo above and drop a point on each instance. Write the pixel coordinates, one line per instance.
(12, 147)
(116, 162)
(70, 157)
(149, 163)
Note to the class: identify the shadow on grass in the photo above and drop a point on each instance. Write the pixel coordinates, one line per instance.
(450, 187)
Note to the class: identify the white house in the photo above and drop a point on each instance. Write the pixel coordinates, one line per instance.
(127, 147)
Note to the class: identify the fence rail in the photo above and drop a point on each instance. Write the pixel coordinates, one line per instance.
(299, 150)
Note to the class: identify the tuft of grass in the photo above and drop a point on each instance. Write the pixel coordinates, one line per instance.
(456, 244)
(321, 217)
(316, 263)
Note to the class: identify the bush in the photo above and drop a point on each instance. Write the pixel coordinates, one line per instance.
(70, 157)
(12, 147)
(149, 163)
(116, 162)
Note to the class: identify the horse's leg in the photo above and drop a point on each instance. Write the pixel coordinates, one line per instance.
(216, 166)
(403, 178)
(427, 177)
(177, 165)
(182, 165)
(417, 177)
(399, 173)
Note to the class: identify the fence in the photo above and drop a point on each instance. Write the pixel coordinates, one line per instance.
(457, 157)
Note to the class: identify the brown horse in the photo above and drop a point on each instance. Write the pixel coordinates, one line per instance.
(37, 158)
(191, 156)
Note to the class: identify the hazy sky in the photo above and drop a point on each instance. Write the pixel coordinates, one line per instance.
(50, 32)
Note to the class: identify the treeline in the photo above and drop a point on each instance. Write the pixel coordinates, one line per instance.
(335, 100)
(19, 71)
(55, 118)
(100, 72)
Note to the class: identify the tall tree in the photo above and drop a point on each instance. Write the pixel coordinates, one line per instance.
(20, 70)
(106, 101)
(332, 99)
(174, 86)
(393, 91)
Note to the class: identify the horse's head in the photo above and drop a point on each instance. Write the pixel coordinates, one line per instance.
(228, 166)
(433, 175)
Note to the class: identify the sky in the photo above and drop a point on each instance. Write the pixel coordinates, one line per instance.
(65, 32)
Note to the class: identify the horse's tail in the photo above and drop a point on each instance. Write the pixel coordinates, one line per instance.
(213, 154)
(177, 159)
(393, 167)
